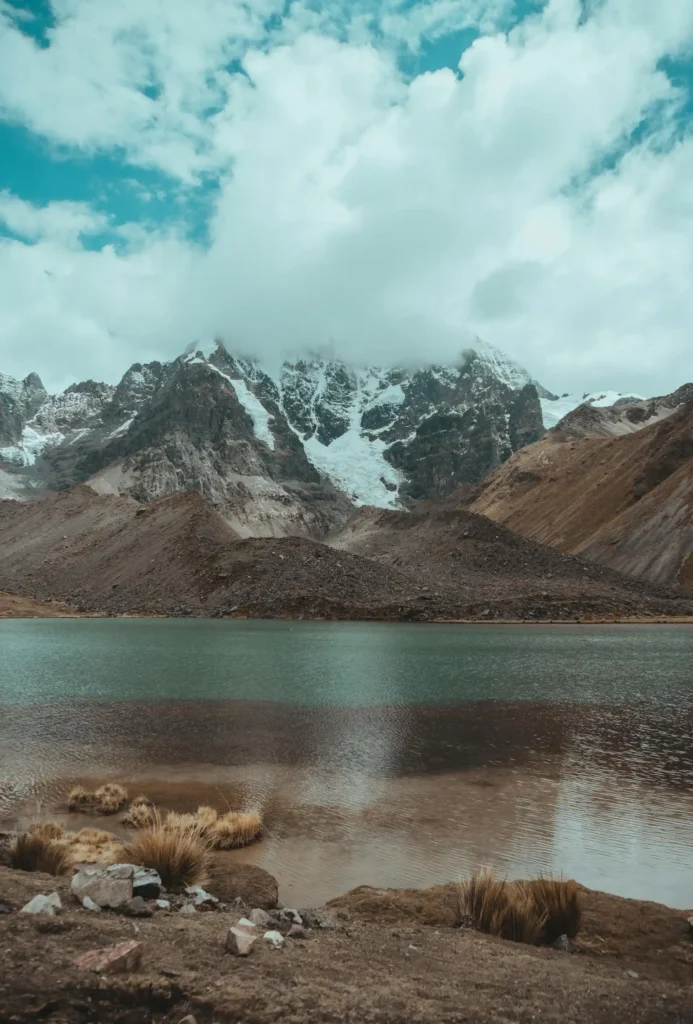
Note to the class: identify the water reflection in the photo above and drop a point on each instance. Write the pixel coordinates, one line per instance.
(393, 795)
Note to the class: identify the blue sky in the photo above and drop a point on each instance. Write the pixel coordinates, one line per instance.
(386, 178)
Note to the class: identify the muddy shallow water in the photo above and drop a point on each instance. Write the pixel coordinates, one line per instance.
(380, 754)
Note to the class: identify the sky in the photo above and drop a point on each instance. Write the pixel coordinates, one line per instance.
(377, 180)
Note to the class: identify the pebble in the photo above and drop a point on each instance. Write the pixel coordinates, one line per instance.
(275, 939)
(187, 1020)
(162, 904)
(297, 931)
(631, 974)
(563, 944)
(119, 959)
(49, 905)
(187, 909)
(200, 895)
(88, 904)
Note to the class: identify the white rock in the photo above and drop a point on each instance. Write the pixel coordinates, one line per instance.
(243, 922)
(260, 918)
(275, 939)
(187, 909)
(162, 904)
(89, 904)
(49, 905)
(105, 887)
(240, 939)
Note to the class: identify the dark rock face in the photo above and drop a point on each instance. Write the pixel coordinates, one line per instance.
(19, 401)
(285, 452)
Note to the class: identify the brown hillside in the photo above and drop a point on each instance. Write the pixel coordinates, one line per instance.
(625, 501)
(177, 556)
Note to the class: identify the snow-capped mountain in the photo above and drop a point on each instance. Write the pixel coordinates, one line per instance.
(277, 451)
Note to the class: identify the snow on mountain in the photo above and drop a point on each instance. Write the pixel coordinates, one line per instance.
(553, 410)
(279, 449)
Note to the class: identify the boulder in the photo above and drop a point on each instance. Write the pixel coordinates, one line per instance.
(230, 881)
(119, 959)
(49, 905)
(106, 887)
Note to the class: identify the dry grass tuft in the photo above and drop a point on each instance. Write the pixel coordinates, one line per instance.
(538, 911)
(180, 855)
(234, 830)
(559, 903)
(35, 852)
(110, 798)
(47, 830)
(218, 831)
(79, 799)
(139, 815)
(142, 801)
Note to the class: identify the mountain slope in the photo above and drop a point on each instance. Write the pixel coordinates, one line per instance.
(291, 450)
(177, 556)
(624, 500)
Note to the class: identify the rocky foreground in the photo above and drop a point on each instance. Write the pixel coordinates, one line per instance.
(229, 954)
(178, 556)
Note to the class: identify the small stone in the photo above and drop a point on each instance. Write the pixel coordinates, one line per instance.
(118, 959)
(260, 918)
(49, 905)
(187, 909)
(297, 931)
(631, 974)
(146, 883)
(275, 939)
(201, 897)
(243, 922)
(89, 904)
(563, 944)
(292, 916)
(690, 925)
(320, 919)
(5, 908)
(187, 1020)
(136, 907)
(240, 940)
(162, 904)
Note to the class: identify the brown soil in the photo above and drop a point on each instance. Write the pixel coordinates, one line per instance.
(626, 502)
(14, 607)
(176, 556)
(397, 957)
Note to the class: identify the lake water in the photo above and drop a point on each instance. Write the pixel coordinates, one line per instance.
(380, 754)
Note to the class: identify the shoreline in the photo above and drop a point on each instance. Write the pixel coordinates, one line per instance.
(387, 955)
(15, 606)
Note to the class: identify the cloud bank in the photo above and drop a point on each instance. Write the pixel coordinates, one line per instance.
(540, 194)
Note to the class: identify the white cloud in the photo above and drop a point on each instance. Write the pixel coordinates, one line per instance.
(63, 222)
(385, 215)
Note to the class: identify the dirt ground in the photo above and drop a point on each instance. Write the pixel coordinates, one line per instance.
(396, 958)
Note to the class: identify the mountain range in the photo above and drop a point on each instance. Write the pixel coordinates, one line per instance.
(277, 451)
